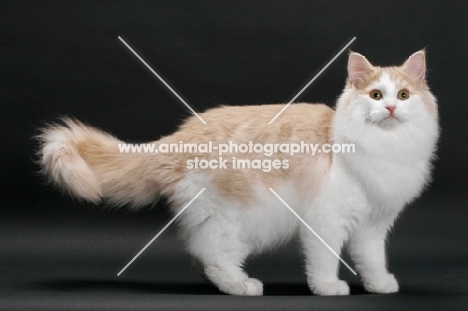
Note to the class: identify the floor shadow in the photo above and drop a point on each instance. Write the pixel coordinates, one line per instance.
(128, 286)
(188, 288)
(433, 290)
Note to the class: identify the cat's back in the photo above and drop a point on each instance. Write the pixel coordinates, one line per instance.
(301, 121)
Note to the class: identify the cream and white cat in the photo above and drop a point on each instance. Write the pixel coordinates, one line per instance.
(350, 199)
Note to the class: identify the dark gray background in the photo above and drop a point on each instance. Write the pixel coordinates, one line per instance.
(64, 58)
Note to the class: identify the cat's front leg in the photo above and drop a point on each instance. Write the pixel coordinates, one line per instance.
(321, 264)
(367, 249)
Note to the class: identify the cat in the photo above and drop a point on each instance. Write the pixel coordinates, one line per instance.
(350, 199)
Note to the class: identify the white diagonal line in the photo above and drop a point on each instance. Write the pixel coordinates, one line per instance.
(313, 79)
(312, 230)
(160, 232)
(162, 80)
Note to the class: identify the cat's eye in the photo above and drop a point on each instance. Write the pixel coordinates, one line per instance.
(375, 95)
(403, 94)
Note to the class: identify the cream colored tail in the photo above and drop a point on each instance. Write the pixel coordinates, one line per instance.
(87, 163)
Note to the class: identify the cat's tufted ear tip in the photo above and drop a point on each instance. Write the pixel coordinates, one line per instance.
(415, 66)
(355, 57)
(419, 56)
(420, 52)
(358, 67)
(353, 53)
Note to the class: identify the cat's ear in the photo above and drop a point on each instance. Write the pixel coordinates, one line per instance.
(415, 67)
(358, 68)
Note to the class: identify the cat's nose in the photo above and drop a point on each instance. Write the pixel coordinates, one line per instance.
(390, 108)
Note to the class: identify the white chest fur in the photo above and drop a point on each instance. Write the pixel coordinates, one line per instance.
(391, 166)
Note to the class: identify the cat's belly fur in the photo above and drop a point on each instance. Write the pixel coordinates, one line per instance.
(263, 223)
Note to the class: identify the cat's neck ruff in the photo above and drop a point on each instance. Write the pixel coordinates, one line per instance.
(391, 164)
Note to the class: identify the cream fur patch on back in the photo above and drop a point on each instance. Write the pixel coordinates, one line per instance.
(300, 122)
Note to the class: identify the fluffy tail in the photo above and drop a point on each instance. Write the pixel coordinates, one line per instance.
(87, 163)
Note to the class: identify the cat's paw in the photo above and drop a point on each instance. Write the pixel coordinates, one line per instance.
(248, 287)
(334, 288)
(253, 287)
(382, 285)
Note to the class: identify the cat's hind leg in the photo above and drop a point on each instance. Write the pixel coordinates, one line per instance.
(215, 236)
(231, 279)
(218, 250)
(248, 287)
(218, 254)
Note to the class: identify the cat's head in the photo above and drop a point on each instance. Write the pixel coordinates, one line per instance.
(387, 96)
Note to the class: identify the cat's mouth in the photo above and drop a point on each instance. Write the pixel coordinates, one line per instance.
(386, 120)
(384, 117)
(391, 116)
(389, 121)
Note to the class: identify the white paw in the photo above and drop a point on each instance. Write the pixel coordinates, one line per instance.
(334, 288)
(382, 285)
(253, 287)
(248, 287)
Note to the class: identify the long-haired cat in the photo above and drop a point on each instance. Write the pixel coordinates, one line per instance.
(350, 199)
